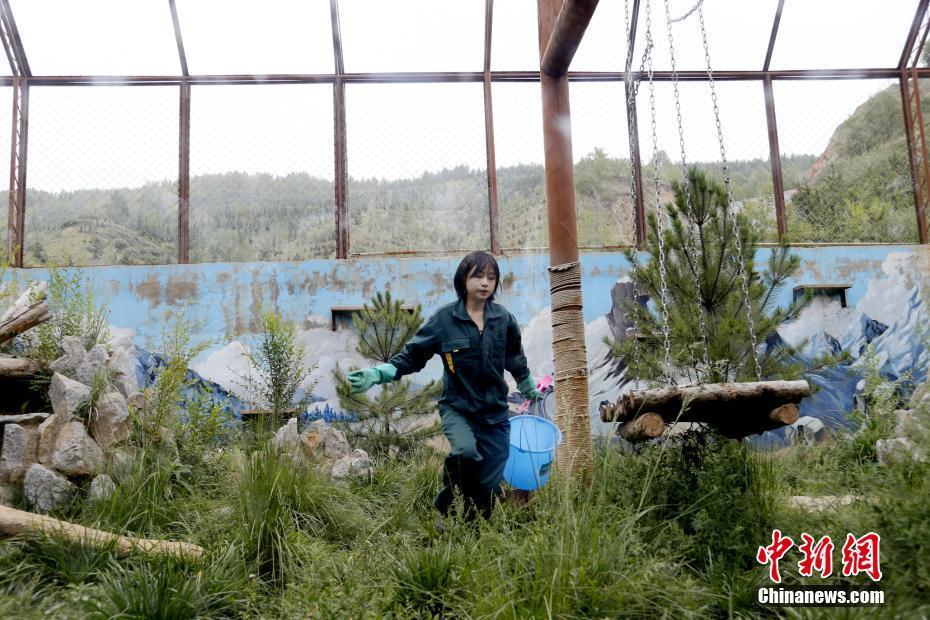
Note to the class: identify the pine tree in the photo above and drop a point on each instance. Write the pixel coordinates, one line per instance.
(389, 417)
(703, 280)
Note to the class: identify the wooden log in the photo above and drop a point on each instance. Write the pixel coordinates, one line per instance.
(14, 522)
(709, 402)
(24, 320)
(643, 428)
(748, 425)
(17, 367)
(33, 293)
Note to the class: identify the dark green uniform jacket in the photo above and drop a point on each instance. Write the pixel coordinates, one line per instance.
(473, 382)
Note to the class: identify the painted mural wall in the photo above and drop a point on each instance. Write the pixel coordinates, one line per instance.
(885, 307)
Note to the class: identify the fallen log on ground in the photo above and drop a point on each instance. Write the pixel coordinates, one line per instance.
(14, 522)
(712, 402)
(17, 367)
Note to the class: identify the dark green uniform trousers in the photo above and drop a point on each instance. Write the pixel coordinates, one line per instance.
(475, 466)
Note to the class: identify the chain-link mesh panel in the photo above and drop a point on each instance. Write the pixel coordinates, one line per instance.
(6, 128)
(600, 146)
(102, 175)
(745, 135)
(417, 167)
(244, 36)
(262, 173)
(831, 34)
(742, 47)
(514, 37)
(521, 177)
(845, 162)
(103, 37)
(413, 35)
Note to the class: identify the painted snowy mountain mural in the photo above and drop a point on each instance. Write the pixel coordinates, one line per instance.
(890, 317)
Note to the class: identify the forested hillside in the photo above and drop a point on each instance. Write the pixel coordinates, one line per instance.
(239, 217)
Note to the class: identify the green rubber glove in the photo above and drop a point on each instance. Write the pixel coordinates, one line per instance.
(363, 380)
(527, 387)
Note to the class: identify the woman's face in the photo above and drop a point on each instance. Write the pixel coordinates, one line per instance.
(481, 285)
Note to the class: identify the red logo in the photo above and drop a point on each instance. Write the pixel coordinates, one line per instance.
(817, 556)
(860, 555)
(773, 553)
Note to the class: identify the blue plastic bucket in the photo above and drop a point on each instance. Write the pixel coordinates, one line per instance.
(533, 441)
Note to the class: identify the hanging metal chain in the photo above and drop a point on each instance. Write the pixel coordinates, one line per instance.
(634, 190)
(696, 269)
(663, 292)
(682, 18)
(744, 277)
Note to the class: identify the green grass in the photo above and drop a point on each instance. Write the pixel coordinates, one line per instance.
(666, 532)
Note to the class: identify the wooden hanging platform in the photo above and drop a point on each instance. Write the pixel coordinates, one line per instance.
(734, 409)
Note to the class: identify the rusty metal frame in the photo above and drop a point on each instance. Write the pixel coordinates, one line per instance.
(340, 139)
(19, 135)
(913, 118)
(184, 173)
(572, 18)
(639, 207)
(776, 21)
(184, 144)
(182, 56)
(491, 155)
(16, 43)
(778, 187)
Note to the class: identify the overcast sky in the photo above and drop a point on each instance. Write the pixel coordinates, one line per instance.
(124, 136)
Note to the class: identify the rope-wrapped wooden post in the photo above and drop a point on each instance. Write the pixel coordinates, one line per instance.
(571, 369)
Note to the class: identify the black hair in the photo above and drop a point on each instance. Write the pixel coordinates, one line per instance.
(475, 263)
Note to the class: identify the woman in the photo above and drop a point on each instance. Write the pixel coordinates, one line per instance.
(477, 340)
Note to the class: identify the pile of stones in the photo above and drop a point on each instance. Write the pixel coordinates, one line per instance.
(46, 456)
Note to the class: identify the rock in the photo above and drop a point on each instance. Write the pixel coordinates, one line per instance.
(24, 419)
(286, 438)
(18, 452)
(136, 401)
(323, 441)
(341, 468)
(897, 450)
(356, 463)
(48, 433)
(822, 502)
(101, 488)
(8, 494)
(76, 454)
(95, 361)
(67, 395)
(74, 354)
(904, 422)
(111, 425)
(44, 489)
(121, 464)
(920, 399)
(123, 370)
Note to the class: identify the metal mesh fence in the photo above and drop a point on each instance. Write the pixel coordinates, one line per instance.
(521, 179)
(600, 146)
(417, 167)
(745, 139)
(261, 173)
(6, 128)
(414, 35)
(102, 175)
(845, 161)
(830, 34)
